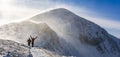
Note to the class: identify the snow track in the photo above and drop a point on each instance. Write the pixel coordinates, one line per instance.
(40, 52)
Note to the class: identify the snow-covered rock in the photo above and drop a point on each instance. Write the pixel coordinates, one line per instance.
(62, 33)
(14, 48)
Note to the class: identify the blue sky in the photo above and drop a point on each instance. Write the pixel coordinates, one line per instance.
(105, 8)
(105, 13)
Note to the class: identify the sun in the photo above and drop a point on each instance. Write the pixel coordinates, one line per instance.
(5, 9)
(5, 2)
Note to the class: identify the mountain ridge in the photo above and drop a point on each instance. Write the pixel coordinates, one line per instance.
(66, 34)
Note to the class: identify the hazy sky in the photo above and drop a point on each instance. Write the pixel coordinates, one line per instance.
(106, 13)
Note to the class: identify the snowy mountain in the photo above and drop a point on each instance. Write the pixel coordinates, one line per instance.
(62, 33)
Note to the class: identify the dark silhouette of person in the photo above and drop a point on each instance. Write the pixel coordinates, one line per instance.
(33, 40)
(29, 41)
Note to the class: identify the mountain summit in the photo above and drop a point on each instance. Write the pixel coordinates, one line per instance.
(64, 33)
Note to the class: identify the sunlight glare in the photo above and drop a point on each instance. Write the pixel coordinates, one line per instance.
(5, 1)
(4, 4)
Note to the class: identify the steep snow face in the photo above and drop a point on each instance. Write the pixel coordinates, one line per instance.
(84, 35)
(65, 23)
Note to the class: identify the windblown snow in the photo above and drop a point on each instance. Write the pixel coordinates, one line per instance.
(60, 33)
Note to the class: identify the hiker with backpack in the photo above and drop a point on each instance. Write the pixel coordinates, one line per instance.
(29, 41)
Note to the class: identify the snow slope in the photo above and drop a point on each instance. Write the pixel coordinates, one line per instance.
(43, 53)
(62, 33)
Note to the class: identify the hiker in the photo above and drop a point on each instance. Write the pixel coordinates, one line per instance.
(29, 41)
(33, 39)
